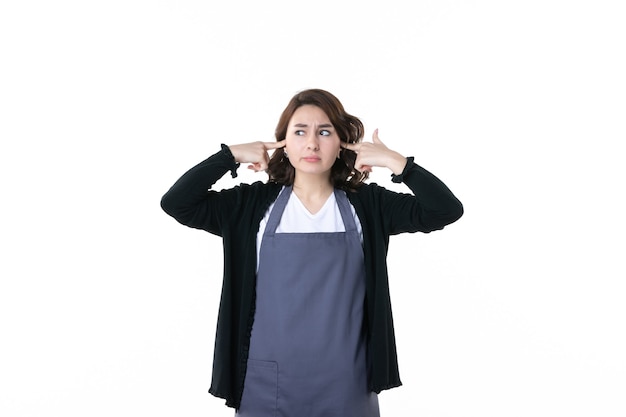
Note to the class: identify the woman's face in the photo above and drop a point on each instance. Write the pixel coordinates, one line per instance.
(312, 142)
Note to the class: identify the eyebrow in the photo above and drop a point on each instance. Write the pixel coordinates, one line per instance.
(325, 125)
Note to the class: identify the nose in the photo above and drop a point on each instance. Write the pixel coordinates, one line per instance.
(312, 142)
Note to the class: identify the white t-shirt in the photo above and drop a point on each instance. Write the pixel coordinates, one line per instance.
(297, 219)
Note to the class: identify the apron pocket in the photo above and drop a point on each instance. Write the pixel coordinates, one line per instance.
(260, 391)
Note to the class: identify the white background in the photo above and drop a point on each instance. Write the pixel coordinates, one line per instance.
(108, 306)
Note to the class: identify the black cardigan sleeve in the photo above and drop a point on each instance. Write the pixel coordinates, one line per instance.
(190, 200)
(431, 207)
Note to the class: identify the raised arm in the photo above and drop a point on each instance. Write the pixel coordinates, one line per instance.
(432, 205)
(192, 202)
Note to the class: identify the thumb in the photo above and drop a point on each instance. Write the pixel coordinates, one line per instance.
(375, 137)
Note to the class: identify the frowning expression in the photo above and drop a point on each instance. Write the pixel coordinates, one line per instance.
(312, 141)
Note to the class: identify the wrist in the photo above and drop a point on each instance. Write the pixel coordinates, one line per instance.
(233, 169)
(400, 177)
(396, 163)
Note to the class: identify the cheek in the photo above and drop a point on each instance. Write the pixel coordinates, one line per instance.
(335, 145)
(290, 142)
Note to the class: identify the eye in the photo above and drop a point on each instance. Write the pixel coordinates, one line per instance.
(325, 132)
(299, 132)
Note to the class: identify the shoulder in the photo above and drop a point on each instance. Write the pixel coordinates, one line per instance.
(367, 191)
(255, 187)
(247, 202)
(257, 192)
(373, 197)
(247, 195)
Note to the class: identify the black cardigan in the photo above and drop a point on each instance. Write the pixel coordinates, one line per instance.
(235, 214)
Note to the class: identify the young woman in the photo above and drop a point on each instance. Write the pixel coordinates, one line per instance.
(305, 326)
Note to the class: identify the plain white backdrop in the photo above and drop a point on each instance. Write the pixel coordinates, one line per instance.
(108, 306)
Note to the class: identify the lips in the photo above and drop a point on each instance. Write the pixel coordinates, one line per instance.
(311, 158)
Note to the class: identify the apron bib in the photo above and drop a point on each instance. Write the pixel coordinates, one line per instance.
(307, 348)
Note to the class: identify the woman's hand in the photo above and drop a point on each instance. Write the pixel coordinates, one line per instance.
(254, 153)
(375, 154)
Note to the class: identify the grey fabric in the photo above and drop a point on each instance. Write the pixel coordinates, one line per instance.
(307, 349)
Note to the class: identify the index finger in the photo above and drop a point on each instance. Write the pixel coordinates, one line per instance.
(274, 145)
(351, 146)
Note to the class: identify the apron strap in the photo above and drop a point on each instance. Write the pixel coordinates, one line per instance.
(277, 211)
(344, 209)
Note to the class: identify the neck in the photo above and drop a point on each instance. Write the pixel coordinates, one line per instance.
(312, 186)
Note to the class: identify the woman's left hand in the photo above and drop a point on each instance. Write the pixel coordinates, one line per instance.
(375, 154)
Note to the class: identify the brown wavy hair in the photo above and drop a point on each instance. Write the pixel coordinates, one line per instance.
(349, 129)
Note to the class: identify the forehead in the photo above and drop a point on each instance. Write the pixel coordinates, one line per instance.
(309, 114)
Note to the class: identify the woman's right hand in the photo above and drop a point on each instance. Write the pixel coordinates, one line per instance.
(254, 153)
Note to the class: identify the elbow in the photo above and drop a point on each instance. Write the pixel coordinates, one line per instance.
(168, 204)
(441, 218)
(457, 212)
(184, 213)
(454, 213)
(165, 204)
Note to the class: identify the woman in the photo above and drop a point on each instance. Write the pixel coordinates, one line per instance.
(305, 325)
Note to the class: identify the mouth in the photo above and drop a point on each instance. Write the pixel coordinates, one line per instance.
(311, 159)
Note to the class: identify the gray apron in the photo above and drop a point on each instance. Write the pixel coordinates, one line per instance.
(307, 347)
